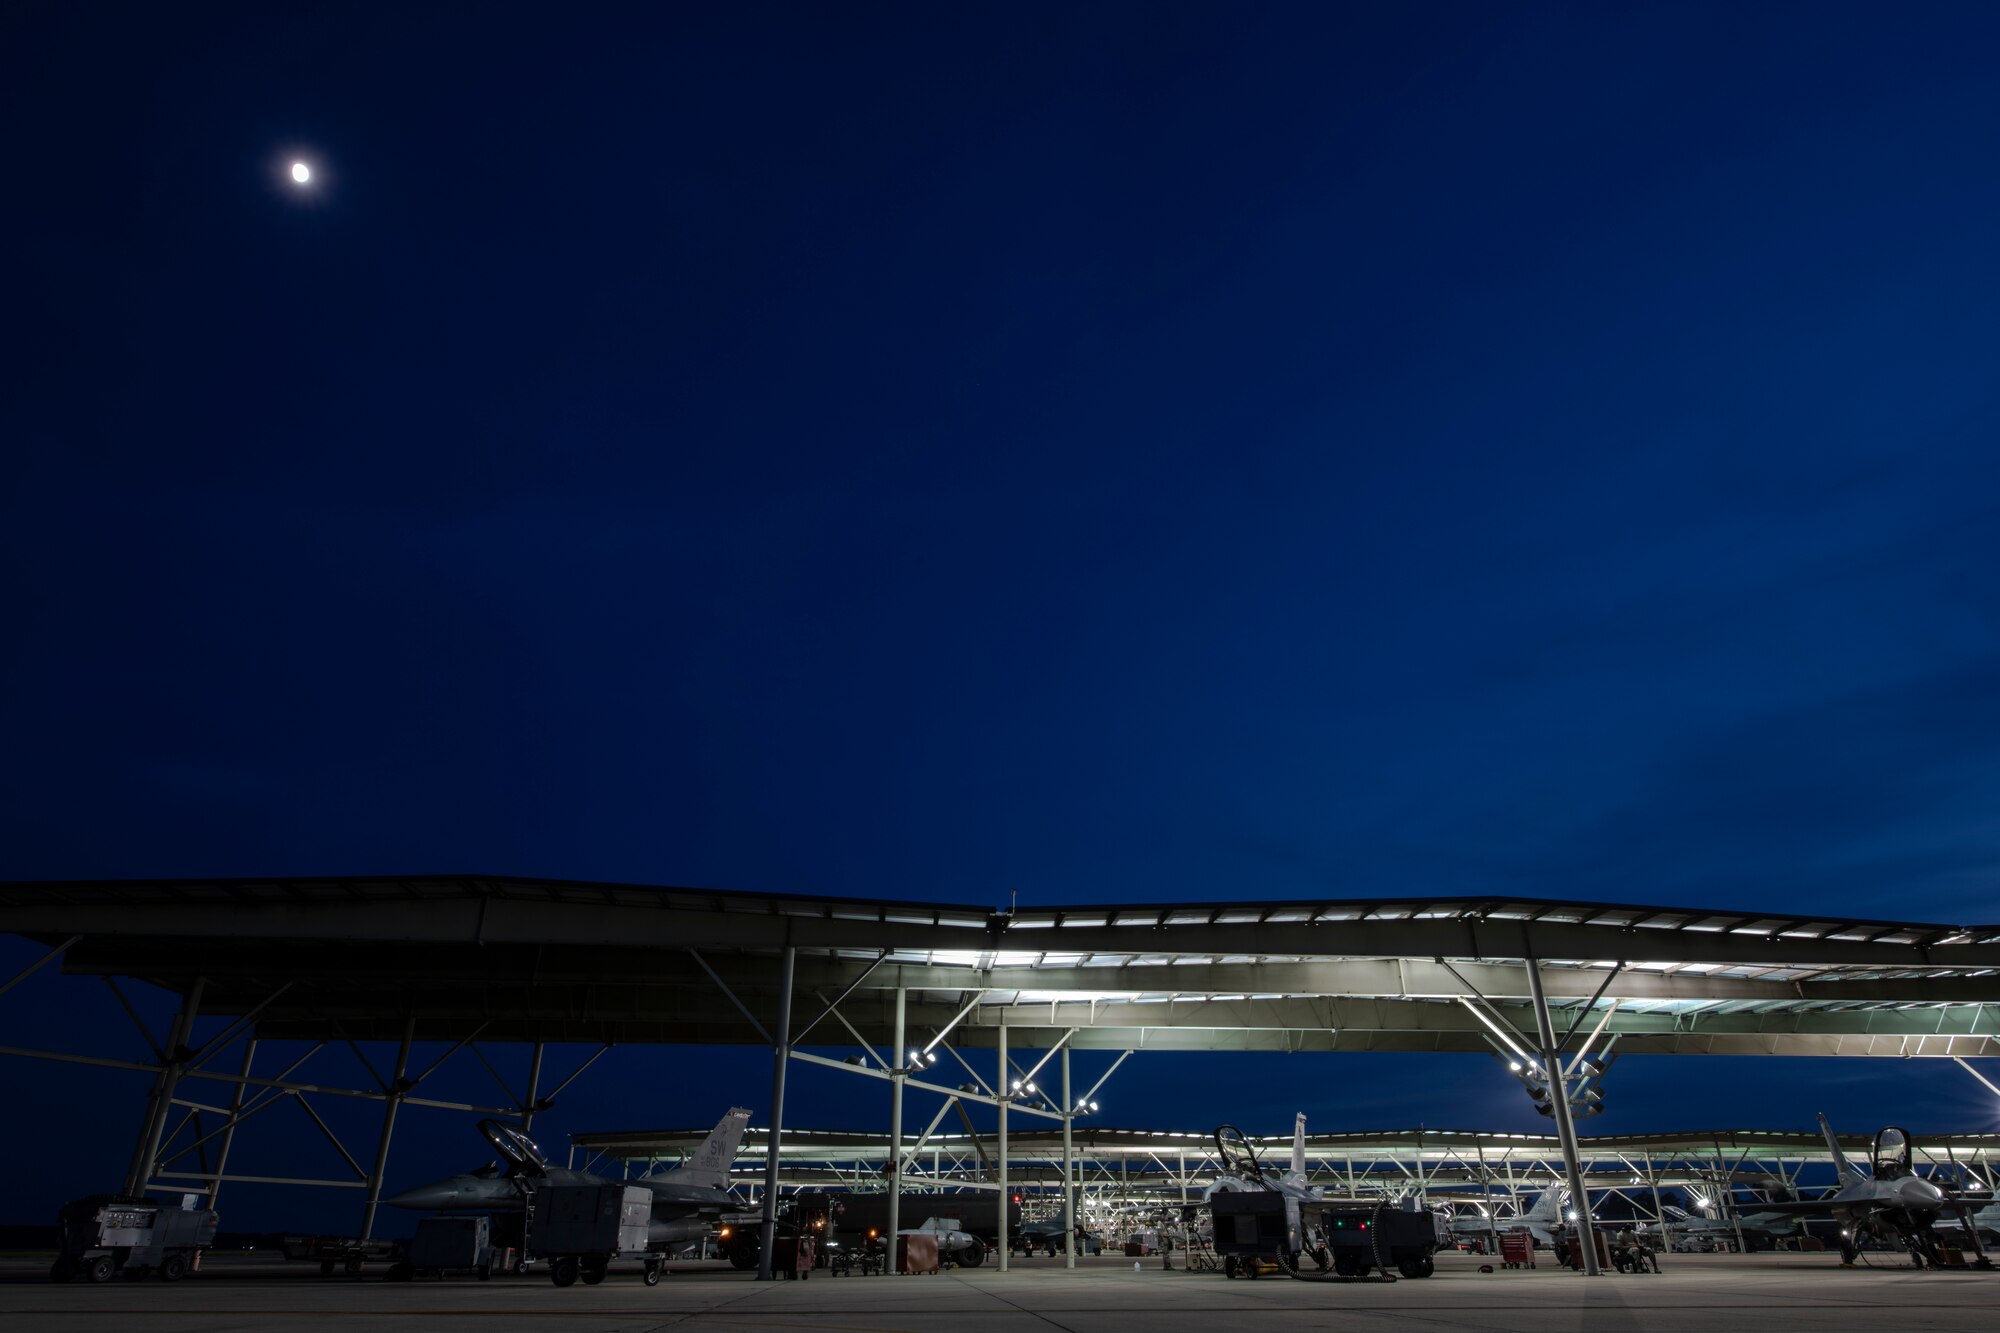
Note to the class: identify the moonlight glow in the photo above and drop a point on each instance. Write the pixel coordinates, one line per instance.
(301, 172)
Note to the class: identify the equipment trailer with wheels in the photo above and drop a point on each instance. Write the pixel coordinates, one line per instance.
(445, 1243)
(579, 1229)
(1322, 1242)
(108, 1234)
(341, 1254)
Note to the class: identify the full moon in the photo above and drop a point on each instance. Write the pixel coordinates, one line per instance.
(301, 172)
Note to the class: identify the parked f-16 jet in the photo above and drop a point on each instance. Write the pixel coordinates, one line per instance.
(1759, 1224)
(961, 1247)
(687, 1199)
(1540, 1221)
(1984, 1222)
(1892, 1203)
(1242, 1171)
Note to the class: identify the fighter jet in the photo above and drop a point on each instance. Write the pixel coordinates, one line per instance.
(960, 1247)
(1539, 1221)
(687, 1199)
(1758, 1225)
(1984, 1222)
(1894, 1203)
(1242, 1171)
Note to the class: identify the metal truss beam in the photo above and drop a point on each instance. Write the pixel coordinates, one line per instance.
(488, 920)
(424, 968)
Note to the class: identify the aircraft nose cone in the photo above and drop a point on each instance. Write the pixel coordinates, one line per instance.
(1920, 1193)
(437, 1194)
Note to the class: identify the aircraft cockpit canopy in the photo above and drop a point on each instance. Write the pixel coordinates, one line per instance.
(1237, 1156)
(520, 1151)
(1892, 1153)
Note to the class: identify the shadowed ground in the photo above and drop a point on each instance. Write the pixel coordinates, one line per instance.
(1771, 1293)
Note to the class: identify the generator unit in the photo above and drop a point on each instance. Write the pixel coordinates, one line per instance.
(1249, 1224)
(107, 1234)
(1335, 1240)
(448, 1242)
(1359, 1237)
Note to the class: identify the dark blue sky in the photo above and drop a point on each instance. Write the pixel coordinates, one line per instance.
(1109, 452)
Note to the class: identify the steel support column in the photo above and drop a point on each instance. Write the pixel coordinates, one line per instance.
(1725, 1188)
(229, 1126)
(781, 1056)
(399, 1084)
(1069, 1167)
(1006, 1193)
(146, 1153)
(528, 1107)
(1486, 1190)
(1586, 1230)
(898, 1073)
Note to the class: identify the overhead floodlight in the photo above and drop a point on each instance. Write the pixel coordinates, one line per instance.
(1514, 1066)
(1093, 1106)
(1572, 1214)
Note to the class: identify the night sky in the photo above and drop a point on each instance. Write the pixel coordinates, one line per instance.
(1104, 452)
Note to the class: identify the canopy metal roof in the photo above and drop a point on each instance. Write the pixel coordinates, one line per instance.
(1132, 1163)
(552, 960)
(1104, 1141)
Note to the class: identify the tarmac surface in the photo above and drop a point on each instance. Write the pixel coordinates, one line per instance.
(1696, 1294)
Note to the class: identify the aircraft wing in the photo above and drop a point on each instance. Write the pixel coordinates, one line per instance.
(1813, 1207)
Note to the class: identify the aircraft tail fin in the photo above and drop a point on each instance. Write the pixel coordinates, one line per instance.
(709, 1164)
(1548, 1207)
(1848, 1173)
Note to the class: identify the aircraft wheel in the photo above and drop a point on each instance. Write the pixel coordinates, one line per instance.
(562, 1270)
(973, 1257)
(101, 1268)
(173, 1268)
(1229, 1265)
(354, 1267)
(652, 1277)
